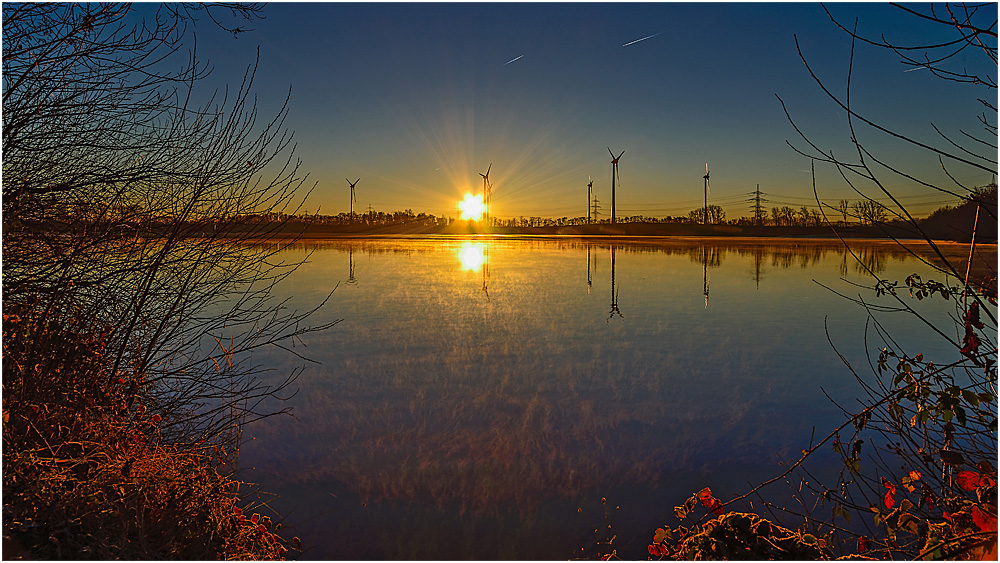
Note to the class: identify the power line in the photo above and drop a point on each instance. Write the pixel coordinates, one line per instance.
(757, 200)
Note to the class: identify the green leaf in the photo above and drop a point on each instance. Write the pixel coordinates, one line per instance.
(970, 397)
(853, 465)
(905, 505)
(960, 415)
(808, 539)
(909, 522)
(924, 415)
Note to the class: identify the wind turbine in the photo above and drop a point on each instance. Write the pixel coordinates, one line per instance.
(704, 215)
(590, 192)
(614, 174)
(353, 198)
(487, 191)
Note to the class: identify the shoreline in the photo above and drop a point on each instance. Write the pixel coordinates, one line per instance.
(302, 229)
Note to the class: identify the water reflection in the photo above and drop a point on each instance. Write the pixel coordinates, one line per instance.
(614, 290)
(476, 256)
(758, 255)
(472, 255)
(590, 280)
(478, 420)
(350, 276)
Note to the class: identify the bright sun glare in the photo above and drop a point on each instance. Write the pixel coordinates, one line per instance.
(472, 255)
(471, 208)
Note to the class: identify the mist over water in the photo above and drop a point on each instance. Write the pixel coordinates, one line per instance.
(480, 390)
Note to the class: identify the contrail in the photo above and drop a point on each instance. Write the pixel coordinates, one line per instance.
(512, 60)
(643, 39)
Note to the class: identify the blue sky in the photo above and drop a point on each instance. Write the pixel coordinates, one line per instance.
(418, 99)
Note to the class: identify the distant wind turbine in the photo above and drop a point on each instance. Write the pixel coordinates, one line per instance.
(353, 198)
(614, 174)
(643, 39)
(487, 191)
(590, 194)
(704, 217)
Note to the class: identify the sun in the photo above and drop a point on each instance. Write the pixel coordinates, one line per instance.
(471, 208)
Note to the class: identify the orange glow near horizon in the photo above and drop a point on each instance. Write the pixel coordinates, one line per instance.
(471, 208)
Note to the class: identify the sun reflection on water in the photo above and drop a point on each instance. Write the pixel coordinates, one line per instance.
(472, 255)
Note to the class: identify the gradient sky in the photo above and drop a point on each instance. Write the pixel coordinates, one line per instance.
(418, 99)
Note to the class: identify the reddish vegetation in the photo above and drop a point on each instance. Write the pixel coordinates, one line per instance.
(87, 472)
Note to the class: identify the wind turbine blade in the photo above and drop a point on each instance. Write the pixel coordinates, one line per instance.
(611, 153)
(620, 154)
(489, 168)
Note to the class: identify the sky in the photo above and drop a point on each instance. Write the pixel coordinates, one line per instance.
(418, 99)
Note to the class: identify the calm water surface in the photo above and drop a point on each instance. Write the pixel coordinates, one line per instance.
(480, 391)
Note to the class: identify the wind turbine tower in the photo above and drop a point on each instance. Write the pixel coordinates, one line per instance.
(487, 190)
(353, 198)
(704, 214)
(614, 174)
(590, 194)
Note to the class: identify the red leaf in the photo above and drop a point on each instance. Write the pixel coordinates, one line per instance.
(653, 550)
(914, 475)
(705, 495)
(927, 496)
(968, 480)
(862, 544)
(710, 502)
(987, 522)
(890, 496)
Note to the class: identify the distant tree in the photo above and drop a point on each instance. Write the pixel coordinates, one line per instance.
(716, 214)
(870, 212)
(844, 207)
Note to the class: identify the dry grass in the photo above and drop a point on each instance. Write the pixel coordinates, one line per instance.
(86, 472)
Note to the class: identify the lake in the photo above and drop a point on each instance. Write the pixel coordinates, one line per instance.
(482, 395)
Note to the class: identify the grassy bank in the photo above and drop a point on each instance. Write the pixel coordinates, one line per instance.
(88, 472)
